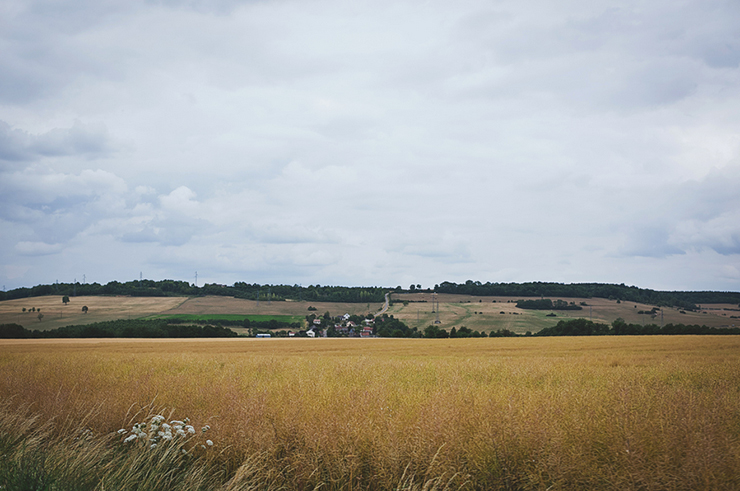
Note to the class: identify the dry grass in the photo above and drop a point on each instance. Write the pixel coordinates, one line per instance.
(477, 313)
(558, 413)
(230, 305)
(483, 314)
(101, 308)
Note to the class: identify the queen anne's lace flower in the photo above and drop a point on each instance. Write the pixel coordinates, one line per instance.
(154, 432)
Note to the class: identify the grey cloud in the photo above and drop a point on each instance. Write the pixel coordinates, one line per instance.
(695, 215)
(222, 7)
(600, 58)
(56, 207)
(26, 248)
(38, 187)
(47, 47)
(165, 232)
(14, 143)
(82, 140)
(649, 241)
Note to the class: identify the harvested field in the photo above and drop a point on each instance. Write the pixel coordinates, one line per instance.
(485, 313)
(229, 305)
(100, 308)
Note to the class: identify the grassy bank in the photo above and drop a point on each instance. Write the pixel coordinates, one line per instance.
(565, 413)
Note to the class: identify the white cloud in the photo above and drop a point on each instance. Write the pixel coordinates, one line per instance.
(372, 142)
(180, 200)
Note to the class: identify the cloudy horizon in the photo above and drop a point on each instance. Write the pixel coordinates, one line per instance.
(370, 143)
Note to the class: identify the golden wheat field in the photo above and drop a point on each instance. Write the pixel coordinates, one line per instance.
(627, 413)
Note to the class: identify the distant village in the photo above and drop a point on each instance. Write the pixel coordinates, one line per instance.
(352, 326)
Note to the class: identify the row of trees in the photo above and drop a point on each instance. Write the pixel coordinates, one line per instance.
(255, 291)
(584, 327)
(547, 304)
(385, 326)
(133, 328)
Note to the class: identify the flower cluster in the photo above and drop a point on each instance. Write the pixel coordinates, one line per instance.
(157, 431)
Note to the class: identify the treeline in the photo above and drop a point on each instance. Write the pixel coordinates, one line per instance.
(138, 288)
(165, 288)
(579, 327)
(271, 324)
(684, 300)
(585, 327)
(128, 328)
(387, 326)
(547, 304)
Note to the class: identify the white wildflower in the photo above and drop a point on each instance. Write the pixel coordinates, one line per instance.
(206, 428)
(153, 445)
(130, 438)
(209, 443)
(190, 429)
(176, 422)
(167, 437)
(181, 433)
(122, 431)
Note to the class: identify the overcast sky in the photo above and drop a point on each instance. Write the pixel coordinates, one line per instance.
(370, 142)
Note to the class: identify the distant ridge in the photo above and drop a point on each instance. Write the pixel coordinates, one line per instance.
(150, 288)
